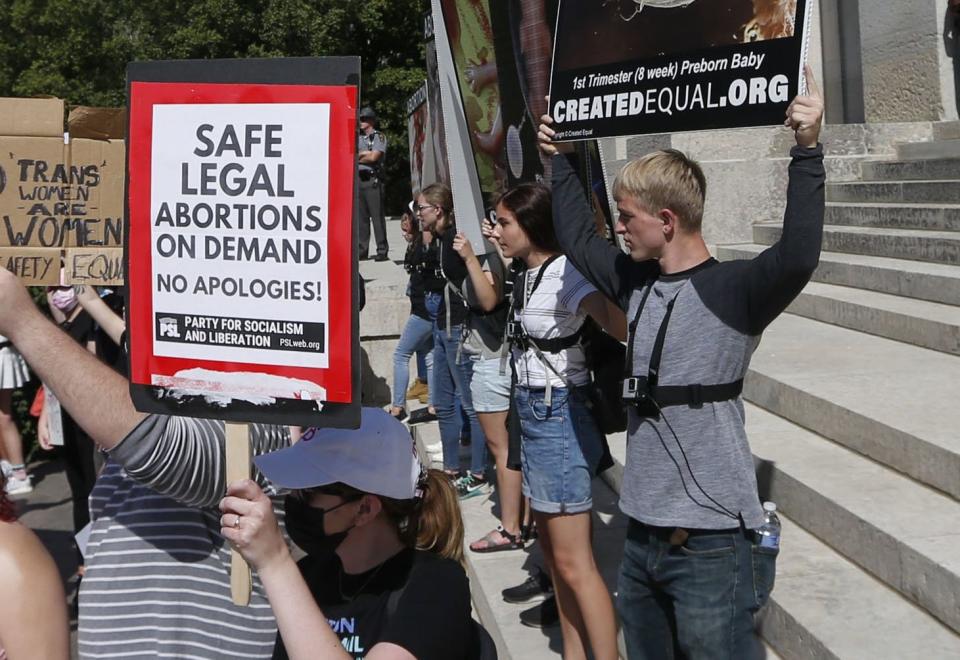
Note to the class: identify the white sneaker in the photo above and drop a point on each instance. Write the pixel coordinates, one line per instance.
(6, 467)
(18, 486)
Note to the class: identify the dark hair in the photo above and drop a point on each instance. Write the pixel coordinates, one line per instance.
(531, 203)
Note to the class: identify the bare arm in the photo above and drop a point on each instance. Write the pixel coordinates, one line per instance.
(302, 624)
(94, 394)
(484, 283)
(105, 317)
(370, 157)
(607, 314)
(34, 624)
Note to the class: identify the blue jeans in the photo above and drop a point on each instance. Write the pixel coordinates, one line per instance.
(417, 337)
(451, 381)
(559, 450)
(696, 600)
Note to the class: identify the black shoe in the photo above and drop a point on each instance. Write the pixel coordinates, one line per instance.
(400, 416)
(537, 587)
(382, 257)
(422, 415)
(544, 615)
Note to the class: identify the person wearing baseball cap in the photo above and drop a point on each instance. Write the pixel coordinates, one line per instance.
(383, 538)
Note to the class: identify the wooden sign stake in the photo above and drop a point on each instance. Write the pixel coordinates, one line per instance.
(238, 467)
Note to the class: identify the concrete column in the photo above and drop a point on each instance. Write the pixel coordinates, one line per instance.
(902, 48)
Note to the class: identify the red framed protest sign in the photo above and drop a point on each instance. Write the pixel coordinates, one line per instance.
(241, 247)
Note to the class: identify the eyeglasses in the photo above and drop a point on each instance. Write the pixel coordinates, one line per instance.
(419, 208)
(345, 492)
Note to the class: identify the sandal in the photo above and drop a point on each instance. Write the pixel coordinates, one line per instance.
(400, 415)
(488, 543)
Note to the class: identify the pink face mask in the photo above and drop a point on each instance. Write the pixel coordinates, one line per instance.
(64, 300)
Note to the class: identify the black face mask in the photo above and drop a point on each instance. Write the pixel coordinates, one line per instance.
(305, 527)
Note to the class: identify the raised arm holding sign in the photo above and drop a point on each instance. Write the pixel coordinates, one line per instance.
(688, 478)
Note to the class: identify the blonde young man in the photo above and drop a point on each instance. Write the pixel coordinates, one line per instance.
(693, 573)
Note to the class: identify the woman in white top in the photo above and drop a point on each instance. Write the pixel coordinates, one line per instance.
(561, 445)
(13, 376)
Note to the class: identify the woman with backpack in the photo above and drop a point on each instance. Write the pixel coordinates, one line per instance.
(452, 369)
(383, 539)
(561, 445)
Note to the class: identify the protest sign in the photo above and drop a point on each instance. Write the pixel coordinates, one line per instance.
(34, 266)
(470, 102)
(435, 103)
(421, 134)
(630, 67)
(95, 266)
(241, 254)
(523, 42)
(57, 192)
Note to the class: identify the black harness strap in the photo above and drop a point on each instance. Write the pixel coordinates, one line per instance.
(675, 395)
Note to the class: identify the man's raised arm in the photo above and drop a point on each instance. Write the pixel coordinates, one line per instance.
(95, 395)
(609, 269)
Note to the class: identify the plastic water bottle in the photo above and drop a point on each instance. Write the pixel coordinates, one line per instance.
(770, 530)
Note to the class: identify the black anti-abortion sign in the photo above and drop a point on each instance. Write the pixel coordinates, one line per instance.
(632, 67)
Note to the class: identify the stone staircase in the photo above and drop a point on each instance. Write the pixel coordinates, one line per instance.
(853, 418)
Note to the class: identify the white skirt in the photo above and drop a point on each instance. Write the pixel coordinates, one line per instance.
(13, 368)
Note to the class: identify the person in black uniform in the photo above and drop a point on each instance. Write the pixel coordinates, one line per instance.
(371, 152)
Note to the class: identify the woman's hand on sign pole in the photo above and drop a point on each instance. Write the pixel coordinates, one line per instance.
(250, 526)
(545, 136)
(805, 113)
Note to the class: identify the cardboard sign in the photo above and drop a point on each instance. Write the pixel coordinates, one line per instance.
(34, 266)
(96, 266)
(241, 254)
(657, 66)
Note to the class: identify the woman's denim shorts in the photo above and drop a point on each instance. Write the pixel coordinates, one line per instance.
(560, 449)
(489, 388)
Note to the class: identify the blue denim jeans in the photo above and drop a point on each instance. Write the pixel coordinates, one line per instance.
(451, 381)
(696, 600)
(417, 337)
(560, 449)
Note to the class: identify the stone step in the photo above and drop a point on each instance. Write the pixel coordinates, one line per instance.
(921, 191)
(937, 217)
(892, 402)
(912, 279)
(946, 130)
(933, 246)
(902, 532)
(917, 322)
(899, 170)
(947, 148)
(825, 606)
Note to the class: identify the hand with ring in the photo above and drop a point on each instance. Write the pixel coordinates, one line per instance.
(250, 526)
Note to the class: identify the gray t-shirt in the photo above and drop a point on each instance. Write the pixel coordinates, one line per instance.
(485, 330)
(692, 467)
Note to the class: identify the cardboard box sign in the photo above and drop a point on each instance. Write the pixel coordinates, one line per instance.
(31, 117)
(57, 195)
(97, 266)
(34, 266)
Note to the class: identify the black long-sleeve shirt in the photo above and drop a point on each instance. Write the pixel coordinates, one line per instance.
(720, 311)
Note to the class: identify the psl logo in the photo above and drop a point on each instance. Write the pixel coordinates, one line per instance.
(170, 328)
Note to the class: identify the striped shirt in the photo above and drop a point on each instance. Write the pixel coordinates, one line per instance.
(157, 582)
